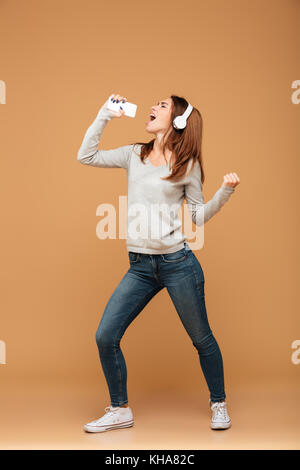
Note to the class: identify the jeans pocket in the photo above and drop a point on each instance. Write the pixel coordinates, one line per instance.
(175, 257)
(133, 256)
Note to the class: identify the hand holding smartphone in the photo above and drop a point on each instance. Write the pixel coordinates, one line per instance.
(121, 106)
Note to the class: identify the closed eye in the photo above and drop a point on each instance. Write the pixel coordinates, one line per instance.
(162, 104)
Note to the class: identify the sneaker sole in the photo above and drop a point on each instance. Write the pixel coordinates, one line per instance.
(220, 425)
(126, 424)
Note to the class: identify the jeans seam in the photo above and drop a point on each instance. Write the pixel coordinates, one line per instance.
(199, 292)
(194, 273)
(130, 316)
(198, 301)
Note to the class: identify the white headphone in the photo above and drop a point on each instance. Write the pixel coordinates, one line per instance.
(180, 121)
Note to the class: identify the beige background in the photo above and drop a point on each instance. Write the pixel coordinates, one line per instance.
(235, 61)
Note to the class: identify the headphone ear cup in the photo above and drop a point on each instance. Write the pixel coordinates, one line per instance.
(179, 122)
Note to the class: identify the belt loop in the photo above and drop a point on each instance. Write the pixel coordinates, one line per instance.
(186, 247)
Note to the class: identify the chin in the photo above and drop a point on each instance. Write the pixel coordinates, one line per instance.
(148, 129)
(151, 129)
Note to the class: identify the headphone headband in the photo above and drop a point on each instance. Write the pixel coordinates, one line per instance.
(180, 121)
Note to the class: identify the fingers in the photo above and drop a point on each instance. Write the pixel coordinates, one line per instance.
(231, 180)
(115, 98)
(233, 177)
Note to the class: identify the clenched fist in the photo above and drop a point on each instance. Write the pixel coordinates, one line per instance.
(118, 99)
(231, 180)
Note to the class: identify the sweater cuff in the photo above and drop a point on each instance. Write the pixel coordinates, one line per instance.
(105, 113)
(228, 189)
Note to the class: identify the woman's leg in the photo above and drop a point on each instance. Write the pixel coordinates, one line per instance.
(129, 298)
(187, 293)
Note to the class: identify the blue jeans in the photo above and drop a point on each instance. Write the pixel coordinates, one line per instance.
(181, 273)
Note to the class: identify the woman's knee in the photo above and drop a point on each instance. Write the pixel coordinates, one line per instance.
(206, 345)
(105, 338)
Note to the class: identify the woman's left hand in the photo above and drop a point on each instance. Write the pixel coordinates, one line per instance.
(231, 180)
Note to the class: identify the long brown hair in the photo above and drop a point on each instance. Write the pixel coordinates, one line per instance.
(185, 144)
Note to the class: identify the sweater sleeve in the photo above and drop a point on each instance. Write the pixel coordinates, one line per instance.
(199, 210)
(88, 153)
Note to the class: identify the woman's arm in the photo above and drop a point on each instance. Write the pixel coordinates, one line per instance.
(88, 154)
(199, 210)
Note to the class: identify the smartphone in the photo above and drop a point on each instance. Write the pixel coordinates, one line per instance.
(129, 108)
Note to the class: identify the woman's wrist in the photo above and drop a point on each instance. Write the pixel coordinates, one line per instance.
(105, 113)
(229, 188)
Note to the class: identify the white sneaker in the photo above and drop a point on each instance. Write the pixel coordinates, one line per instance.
(114, 418)
(220, 418)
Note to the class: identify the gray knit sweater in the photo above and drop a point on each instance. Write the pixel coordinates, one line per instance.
(153, 223)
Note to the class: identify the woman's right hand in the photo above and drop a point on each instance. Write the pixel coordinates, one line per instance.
(117, 98)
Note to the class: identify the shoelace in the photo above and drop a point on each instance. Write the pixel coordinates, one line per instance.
(109, 410)
(219, 410)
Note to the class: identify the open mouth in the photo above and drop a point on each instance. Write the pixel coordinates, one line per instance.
(152, 117)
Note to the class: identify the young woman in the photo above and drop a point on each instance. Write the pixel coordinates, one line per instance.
(161, 173)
